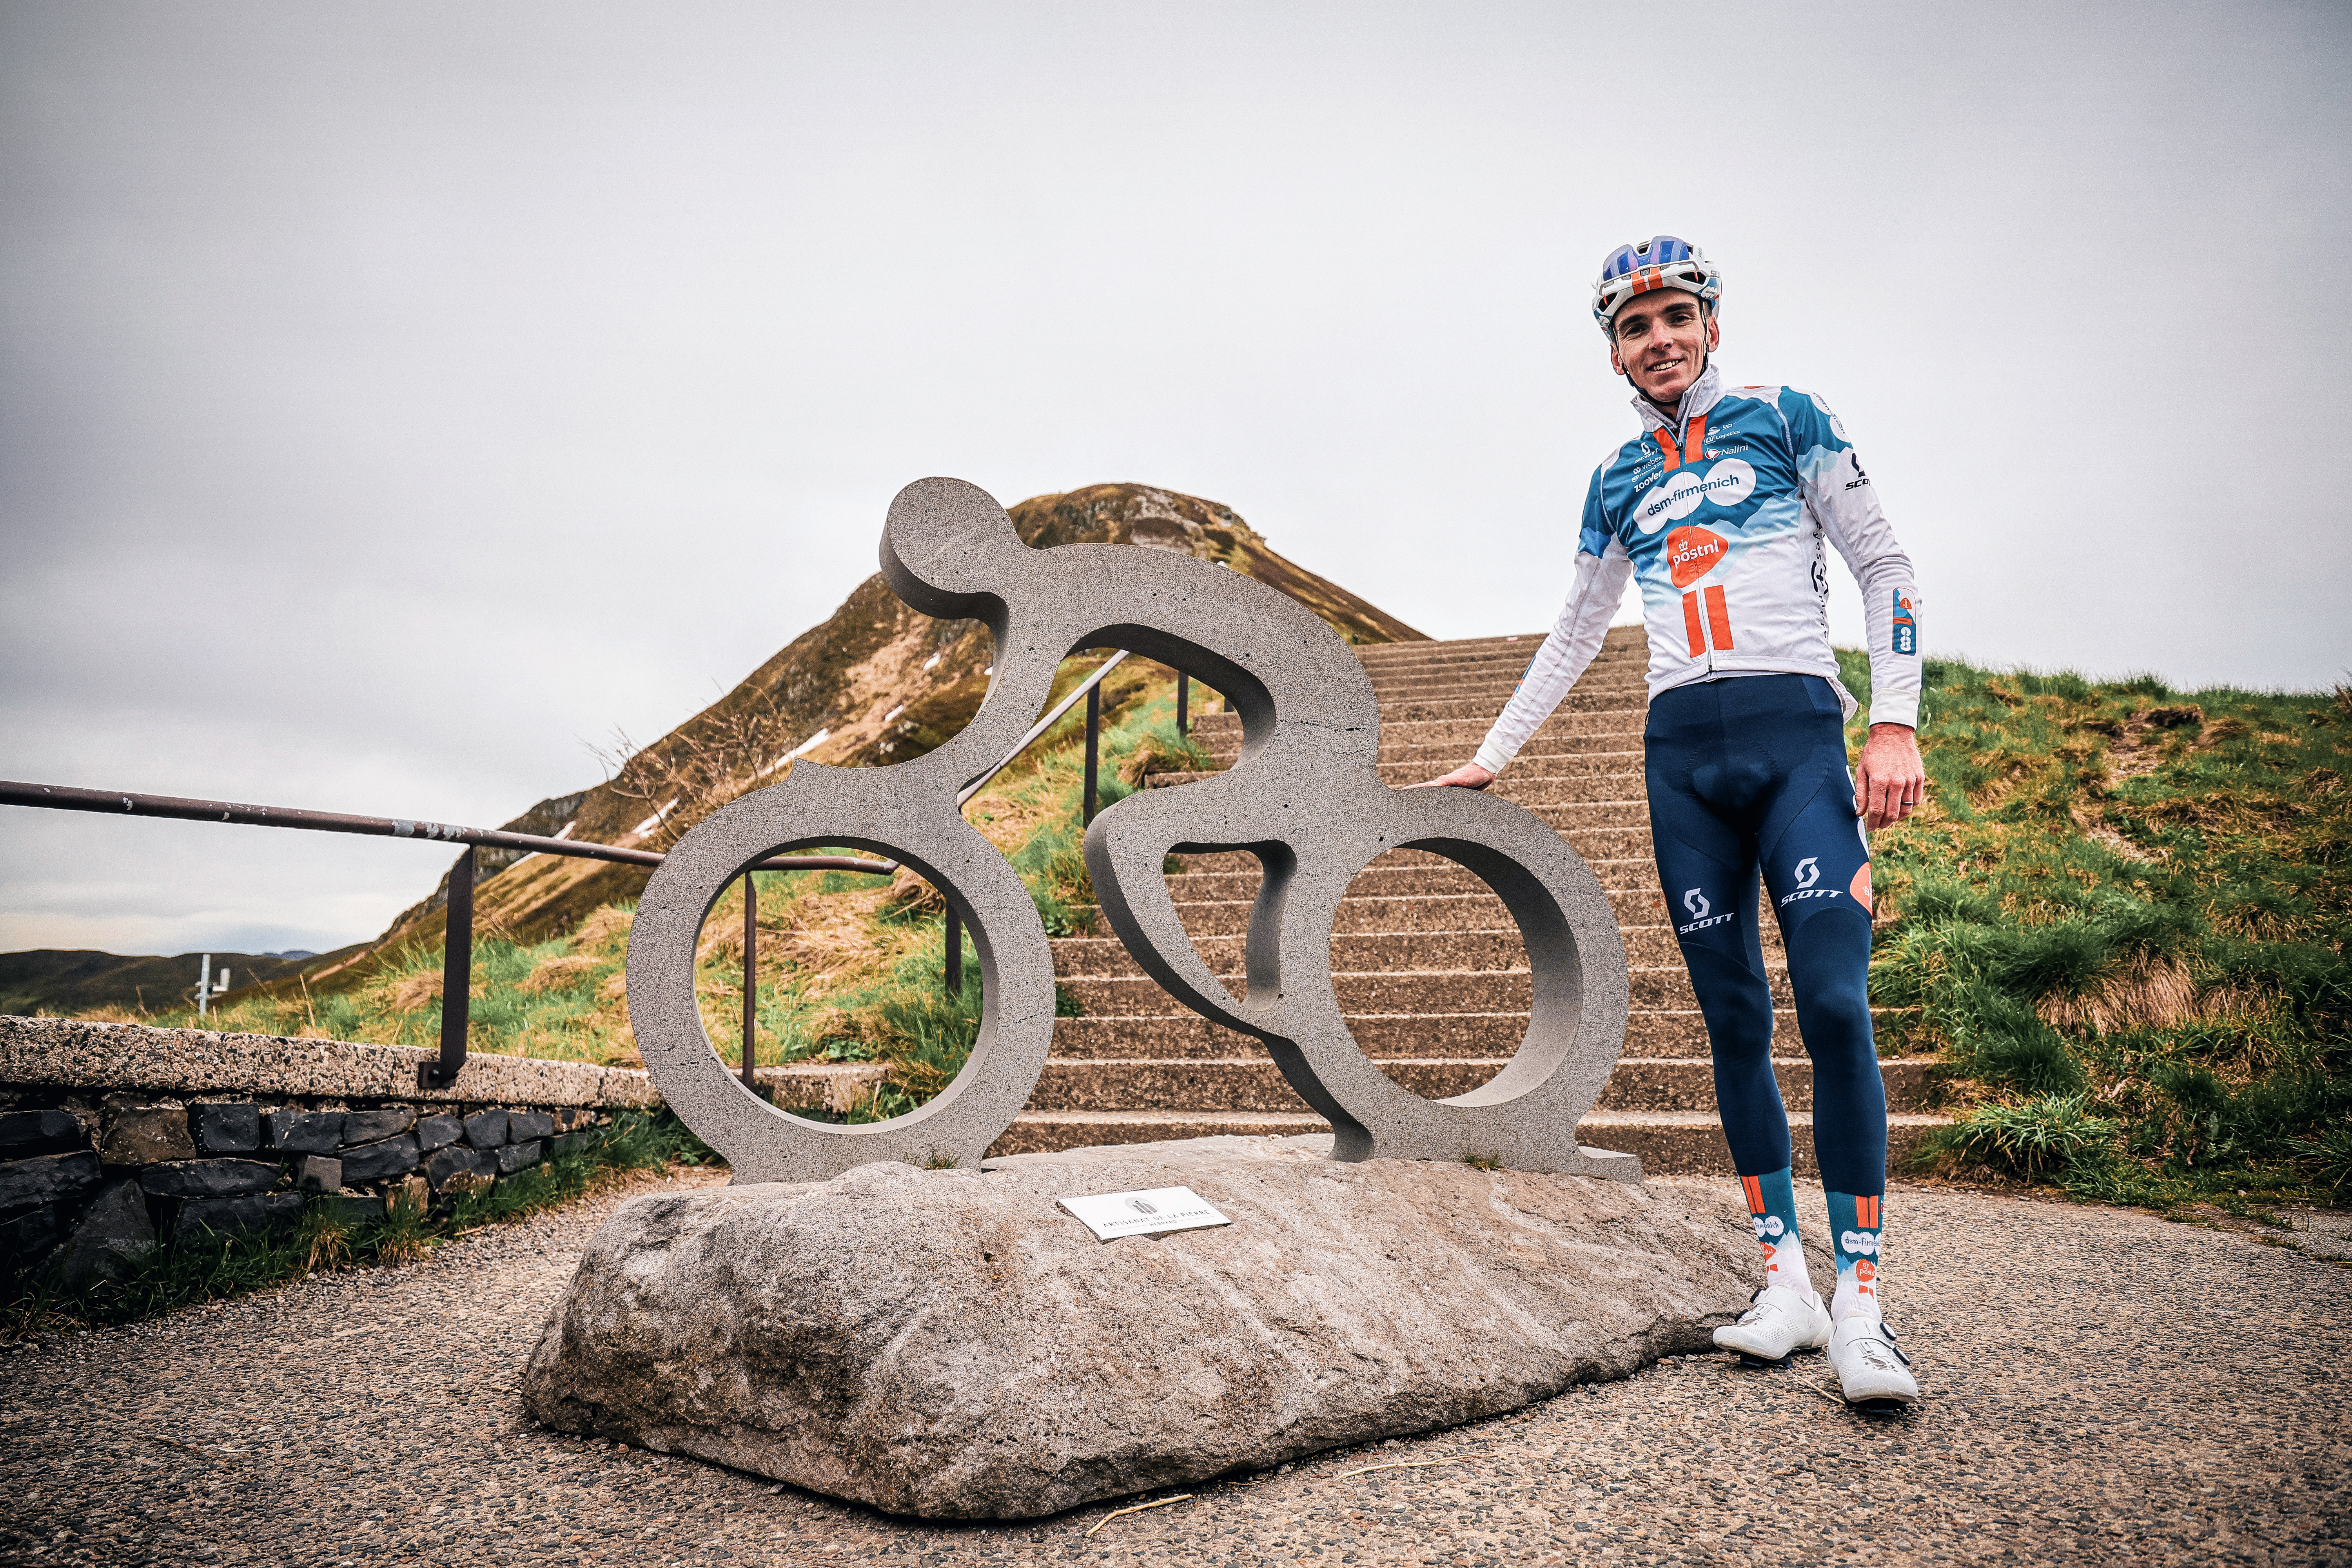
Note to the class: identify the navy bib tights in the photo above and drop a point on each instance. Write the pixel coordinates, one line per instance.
(1750, 775)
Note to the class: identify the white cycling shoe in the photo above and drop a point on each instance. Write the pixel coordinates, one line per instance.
(1778, 1320)
(1870, 1365)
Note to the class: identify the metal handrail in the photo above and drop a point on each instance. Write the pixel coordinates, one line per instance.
(1084, 689)
(457, 943)
(69, 797)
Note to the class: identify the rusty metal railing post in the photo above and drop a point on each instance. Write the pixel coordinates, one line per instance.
(456, 976)
(954, 976)
(750, 978)
(1094, 749)
(1183, 700)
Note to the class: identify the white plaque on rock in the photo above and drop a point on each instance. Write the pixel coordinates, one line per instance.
(1145, 1212)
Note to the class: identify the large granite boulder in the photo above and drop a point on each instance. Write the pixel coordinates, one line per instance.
(950, 1343)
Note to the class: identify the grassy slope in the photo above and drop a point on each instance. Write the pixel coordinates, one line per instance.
(2122, 917)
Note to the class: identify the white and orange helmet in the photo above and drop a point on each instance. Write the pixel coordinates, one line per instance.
(1662, 262)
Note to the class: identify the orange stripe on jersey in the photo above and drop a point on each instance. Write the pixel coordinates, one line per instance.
(1865, 1213)
(1690, 624)
(1695, 443)
(1755, 1191)
(1666, 445)
(1718, 619)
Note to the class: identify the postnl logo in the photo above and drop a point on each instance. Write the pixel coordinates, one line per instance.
(1728, 483)
(1692, 554)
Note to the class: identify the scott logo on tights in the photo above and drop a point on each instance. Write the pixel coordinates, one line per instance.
(1809, 871)
(1695, 902)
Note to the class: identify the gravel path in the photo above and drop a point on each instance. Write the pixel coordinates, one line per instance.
(2103, 1387)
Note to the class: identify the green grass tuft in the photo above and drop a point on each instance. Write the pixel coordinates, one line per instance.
(2121, 919)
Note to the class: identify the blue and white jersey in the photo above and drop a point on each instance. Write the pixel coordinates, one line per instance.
(1725, 518)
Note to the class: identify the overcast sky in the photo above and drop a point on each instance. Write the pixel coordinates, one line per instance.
(397, 399)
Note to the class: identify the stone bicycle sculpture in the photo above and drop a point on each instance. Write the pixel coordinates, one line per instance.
(1305, 798)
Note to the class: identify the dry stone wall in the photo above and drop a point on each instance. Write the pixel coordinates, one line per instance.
(116, 1138)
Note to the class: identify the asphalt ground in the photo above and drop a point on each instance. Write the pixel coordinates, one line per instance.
(2102, 1387)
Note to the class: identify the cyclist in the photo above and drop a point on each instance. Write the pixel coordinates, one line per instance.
(1722, 509)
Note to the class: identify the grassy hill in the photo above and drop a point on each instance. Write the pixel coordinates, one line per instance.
(2121, 917)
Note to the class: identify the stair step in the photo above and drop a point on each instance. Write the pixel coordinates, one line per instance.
(1690, 1143)
(1477, 949)
(1052, 1131)
(1620, 643)
(1496, 951)
(1540, 785)
(1494, 691)
(1433, 912)
(1220, 733)
(1253, 1082)
(1668, 1144)
(1403, 923)
(1170, 1032)
(1650, 944)
(1482, 711)
(1399, 879)
(1413, 990)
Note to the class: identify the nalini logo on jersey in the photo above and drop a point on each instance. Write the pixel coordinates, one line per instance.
(1693, 552)
(1728, 483)
(1695, 902)
(1809, 871)
(1906, 625)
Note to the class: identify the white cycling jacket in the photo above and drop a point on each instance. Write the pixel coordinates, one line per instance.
(1724, 518)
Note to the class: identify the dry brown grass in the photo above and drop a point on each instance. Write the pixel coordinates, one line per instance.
(559, 970)
(829, 937)
(2159, 996)
(722, 937)
(412, 992)
(910, 888)
(602, 927)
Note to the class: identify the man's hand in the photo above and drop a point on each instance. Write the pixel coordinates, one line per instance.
(1892, 781)
(1469, 775)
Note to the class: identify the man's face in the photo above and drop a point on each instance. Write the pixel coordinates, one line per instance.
(1661, 341)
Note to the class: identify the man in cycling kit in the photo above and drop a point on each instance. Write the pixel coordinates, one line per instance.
(1723, 509)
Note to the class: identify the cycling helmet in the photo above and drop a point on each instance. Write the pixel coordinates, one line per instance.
(1664, 262)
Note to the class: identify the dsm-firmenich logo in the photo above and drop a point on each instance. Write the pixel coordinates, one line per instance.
(1728, 483)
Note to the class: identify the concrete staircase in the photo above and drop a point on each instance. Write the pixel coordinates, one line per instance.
(1428, 965)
